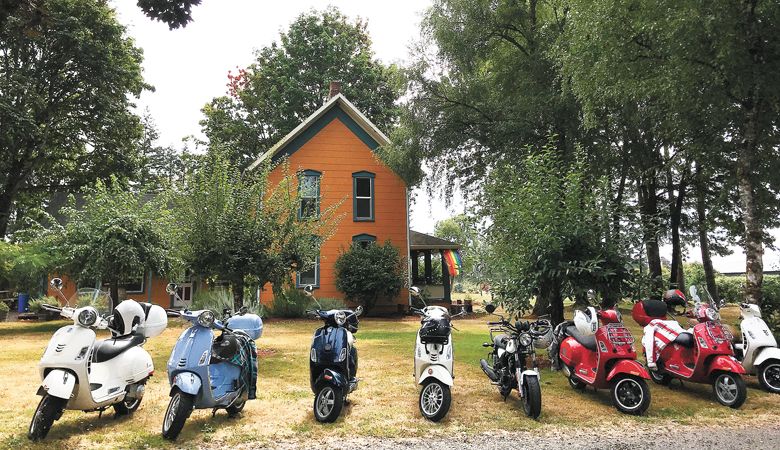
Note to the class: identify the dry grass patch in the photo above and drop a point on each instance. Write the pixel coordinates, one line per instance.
(385, 405)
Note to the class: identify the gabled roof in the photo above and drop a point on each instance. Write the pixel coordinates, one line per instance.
(337, 107)
(422, 241)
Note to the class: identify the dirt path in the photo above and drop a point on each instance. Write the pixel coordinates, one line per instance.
(666, 437)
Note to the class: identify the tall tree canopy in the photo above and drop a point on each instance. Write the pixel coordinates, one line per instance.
(67, 74)
(174, 13)
(290, 79)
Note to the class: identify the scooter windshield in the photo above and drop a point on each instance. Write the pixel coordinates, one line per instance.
(100, 300)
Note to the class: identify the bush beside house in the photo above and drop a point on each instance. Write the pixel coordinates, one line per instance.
(369, 273)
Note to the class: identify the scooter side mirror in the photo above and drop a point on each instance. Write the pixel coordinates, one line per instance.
(308, 289)
(243, 310)
(56, 283)
(359, 310)
(171, 288)
(591, 295)
(414, 291)
(490, 308)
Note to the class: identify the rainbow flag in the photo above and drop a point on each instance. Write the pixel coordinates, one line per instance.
(454, 262)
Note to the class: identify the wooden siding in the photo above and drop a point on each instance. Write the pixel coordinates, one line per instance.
(337, 153)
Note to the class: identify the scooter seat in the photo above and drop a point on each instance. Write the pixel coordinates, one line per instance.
(110, 348)
(588, 342)
(500, 341)
(685, 339)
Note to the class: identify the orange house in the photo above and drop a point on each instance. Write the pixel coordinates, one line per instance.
(333, 151)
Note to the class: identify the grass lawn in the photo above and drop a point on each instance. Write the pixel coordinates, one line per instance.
(385, 404)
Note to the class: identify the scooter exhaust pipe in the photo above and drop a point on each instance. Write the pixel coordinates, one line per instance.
(488, 370)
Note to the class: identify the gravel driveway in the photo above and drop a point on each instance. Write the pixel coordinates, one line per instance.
(667, 437)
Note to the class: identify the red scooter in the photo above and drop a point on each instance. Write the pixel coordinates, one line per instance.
(604, 358)
(703, 354)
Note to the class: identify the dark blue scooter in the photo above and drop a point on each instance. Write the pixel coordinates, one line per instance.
(206, 372)
(333, 360)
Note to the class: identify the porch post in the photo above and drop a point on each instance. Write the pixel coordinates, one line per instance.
(445, 278)
(428, 268)
(415, 268)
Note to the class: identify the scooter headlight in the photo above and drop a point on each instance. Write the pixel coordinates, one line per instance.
(206, 319)
(526, 340)
(87, 317)
(341, 318)
(712, 314)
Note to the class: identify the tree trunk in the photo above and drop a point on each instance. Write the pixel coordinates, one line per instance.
(238, 294)
(7, 197)
(556, 306)
(648, 212)
(754, 248)
(542, 305)
(676, 279)
(114, 294)
(704, 241)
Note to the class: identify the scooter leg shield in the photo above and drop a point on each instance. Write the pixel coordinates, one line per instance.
(438, 372)
(187, 382)
(332, 377)
(59, 383)
(630, 367)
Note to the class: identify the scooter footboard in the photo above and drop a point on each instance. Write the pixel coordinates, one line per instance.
(630, 367)
(59, 383)
(765, 354)
(725, 363)
(437, 372)
(187, 382)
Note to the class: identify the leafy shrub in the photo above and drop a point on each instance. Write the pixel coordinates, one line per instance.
(368, 273)
(4, 308)
(36, 305)
(458, 288)
(730, 288)
(216, 300)
(293, 303)
(332, 303)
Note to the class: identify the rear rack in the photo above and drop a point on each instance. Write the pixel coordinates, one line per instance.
(618, 334)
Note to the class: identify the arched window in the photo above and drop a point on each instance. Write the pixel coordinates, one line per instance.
(363, 239)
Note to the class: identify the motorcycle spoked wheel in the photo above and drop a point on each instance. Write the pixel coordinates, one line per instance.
(532, 398)
(729, 389)
(179, 409)
(630, 395)
(49, 410)
(435, 400)
(769, 376)
(328, 402)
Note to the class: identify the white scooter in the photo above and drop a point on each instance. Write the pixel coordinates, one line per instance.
(758, 351)
(433, 359)
(80, 373)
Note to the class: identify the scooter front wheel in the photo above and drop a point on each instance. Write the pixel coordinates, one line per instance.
(729, 389)
(328, 402)
(236, 408)
(435, 400)
(179, 409)
(769, 376)
(532, 398)
(630, 395)
(49, 409)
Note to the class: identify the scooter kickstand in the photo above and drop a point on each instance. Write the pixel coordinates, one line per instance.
(214, 412)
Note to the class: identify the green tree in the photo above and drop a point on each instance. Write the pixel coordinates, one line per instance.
(67, 76)
(237, 227)
(290, 80)
(113, 236)
(463, 230)
(547, 234)
(368, 273)
(174, 13)
(708, 66)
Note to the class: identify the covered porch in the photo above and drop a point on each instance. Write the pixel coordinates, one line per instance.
(428, 251)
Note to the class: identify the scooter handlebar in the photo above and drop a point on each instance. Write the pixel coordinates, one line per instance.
(51, 308)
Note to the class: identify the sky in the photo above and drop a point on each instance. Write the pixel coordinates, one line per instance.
(188, 67)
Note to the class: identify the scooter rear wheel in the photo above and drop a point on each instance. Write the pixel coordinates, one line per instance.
(129, 405)
(49, 409)
(435, 400)
(769, 376)
(729, 389)
(234, 409)
(179, 409)
(328, 402)
(630, 395)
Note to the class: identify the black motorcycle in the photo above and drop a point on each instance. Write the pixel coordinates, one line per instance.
(512, 348)
(333, 360)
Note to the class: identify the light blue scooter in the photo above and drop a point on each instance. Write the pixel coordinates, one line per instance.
(206, 372)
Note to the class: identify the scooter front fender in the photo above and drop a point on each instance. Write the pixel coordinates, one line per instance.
(630, 367)
(438, 372)
(765, 354)
(725, 363)
(187, 382)
(527, 373)
(333, 377)
(59, 383)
